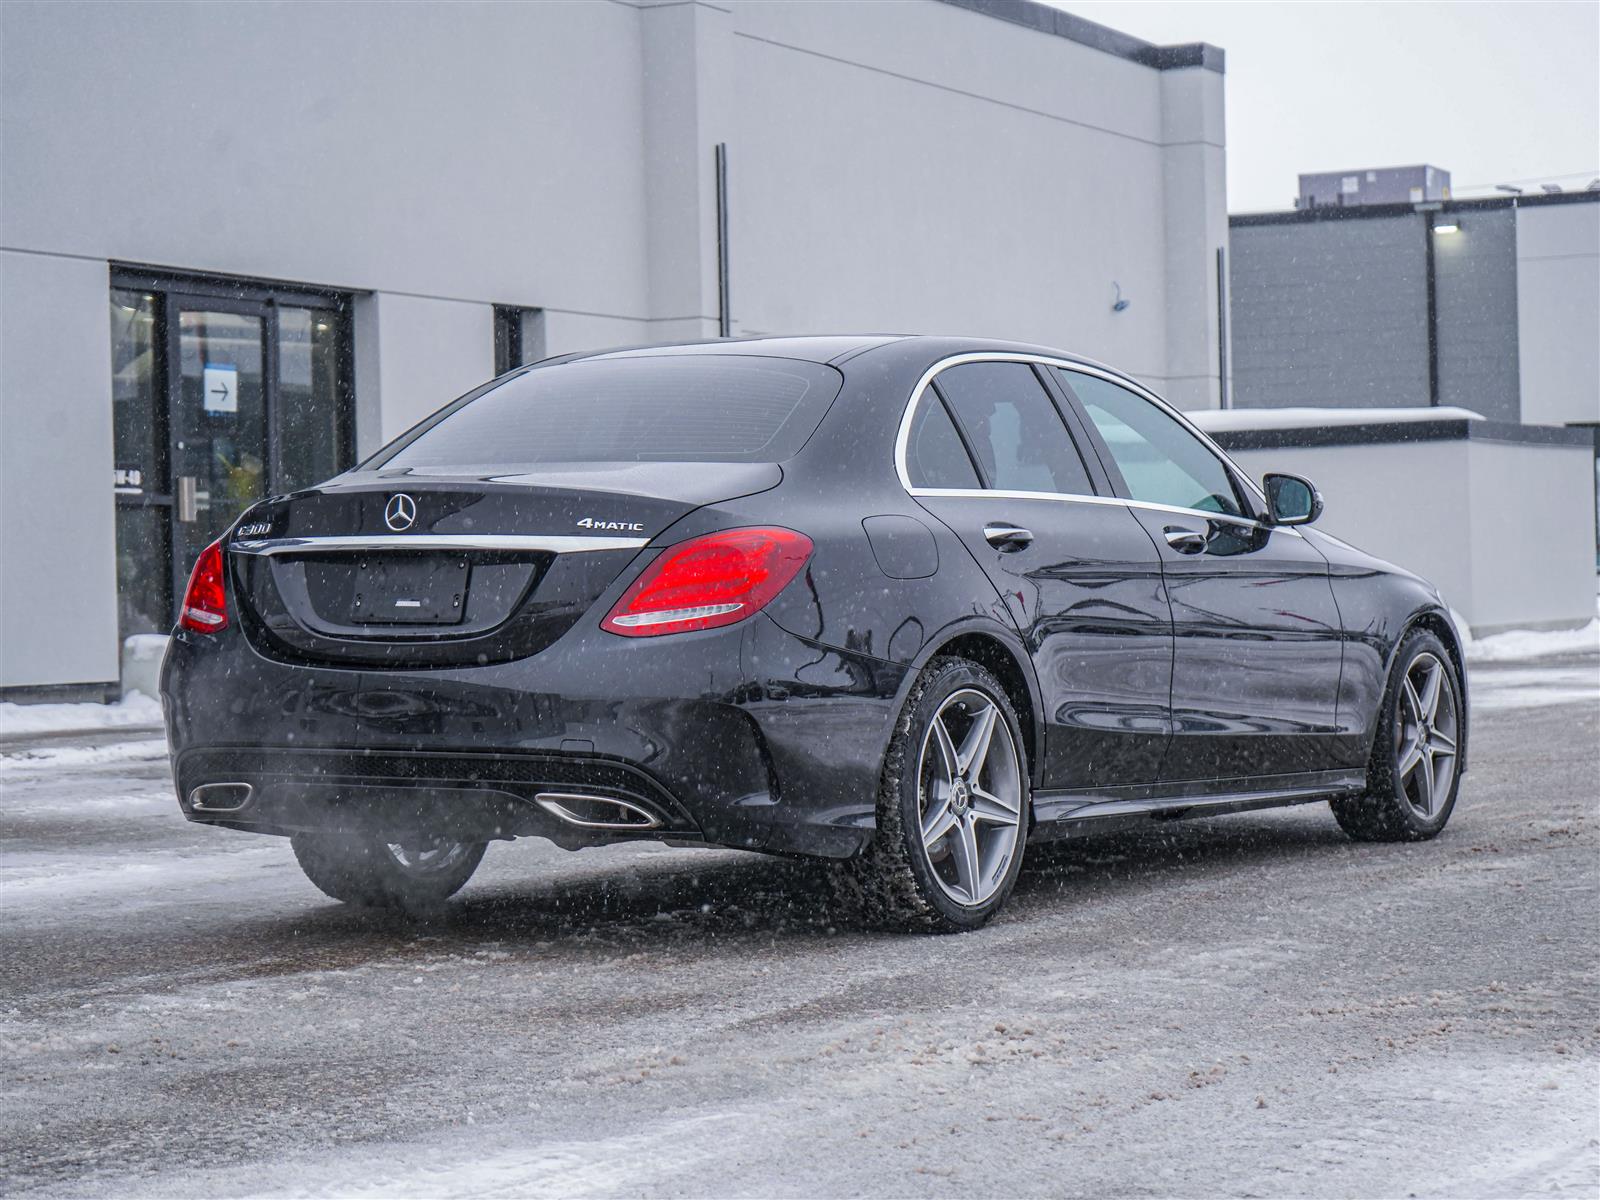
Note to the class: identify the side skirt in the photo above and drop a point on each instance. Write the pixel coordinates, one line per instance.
(1060, 814)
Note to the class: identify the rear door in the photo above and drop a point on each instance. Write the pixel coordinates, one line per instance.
(989, 453)
(1257, 635)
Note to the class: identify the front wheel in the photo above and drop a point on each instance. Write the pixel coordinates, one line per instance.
(411, 873)
(952, 807)
(1414, 773)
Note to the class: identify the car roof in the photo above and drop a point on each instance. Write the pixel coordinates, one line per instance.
(833, 349)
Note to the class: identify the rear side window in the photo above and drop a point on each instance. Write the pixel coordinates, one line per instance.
(671, 408)
(1014, 428)
(935, 457)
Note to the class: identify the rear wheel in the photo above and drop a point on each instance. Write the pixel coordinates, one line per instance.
(410, 873)
(1414, 774)
(952, 808)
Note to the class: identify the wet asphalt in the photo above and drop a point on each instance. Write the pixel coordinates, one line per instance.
(1240, 1006)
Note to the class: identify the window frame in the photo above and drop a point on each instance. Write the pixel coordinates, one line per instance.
(1103, 471)
(1098, 485)
(1252, 502)
(939, 401)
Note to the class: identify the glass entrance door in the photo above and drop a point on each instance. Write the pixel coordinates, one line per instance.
(223, 393)
(219, 422)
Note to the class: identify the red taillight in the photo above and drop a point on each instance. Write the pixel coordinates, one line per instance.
(205, 604)
(709, 581)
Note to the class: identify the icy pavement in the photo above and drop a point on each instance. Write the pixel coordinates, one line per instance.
(1249, 1005)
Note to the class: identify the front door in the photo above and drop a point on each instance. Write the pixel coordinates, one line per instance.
(1257, 635)
(223, 393)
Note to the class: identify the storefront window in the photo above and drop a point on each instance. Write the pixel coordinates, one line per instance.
(311, 429)
(144, 600)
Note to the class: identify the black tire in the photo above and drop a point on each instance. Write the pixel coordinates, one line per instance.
(1389, 811)
(894, 883)
(367, 870)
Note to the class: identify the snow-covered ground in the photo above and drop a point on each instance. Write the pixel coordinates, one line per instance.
(18, 720)
(1241, 1006)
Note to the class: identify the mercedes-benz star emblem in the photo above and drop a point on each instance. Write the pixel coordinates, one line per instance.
(400, 513)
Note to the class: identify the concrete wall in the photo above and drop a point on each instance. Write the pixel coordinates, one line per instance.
(1558, 303)
(487, 153)
(425, 350)
(892, 167)
(1504, 530)
(58, 586)
(1330, 314)
(944, 174)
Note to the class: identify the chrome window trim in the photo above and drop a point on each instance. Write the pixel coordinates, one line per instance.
(902, 440)
(558, 543)
(1115, 501)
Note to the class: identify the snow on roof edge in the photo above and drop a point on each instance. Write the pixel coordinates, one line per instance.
(1216, 420)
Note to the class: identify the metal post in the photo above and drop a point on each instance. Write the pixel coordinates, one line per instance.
(1223, 396)
(724, 308)
(1433, 315)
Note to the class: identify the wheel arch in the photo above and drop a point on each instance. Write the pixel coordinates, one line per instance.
(1438, 622)
(1002, 655)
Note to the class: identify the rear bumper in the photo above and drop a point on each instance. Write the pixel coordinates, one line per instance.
(465, 797)
(745, 737)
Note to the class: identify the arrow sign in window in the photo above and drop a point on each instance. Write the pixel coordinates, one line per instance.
(221, 388)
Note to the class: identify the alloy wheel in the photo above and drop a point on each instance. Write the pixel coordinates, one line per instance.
(1428, 723)
(969, 796)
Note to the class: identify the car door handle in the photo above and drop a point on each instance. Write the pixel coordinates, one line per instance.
(1007, 537)
(1185, 541)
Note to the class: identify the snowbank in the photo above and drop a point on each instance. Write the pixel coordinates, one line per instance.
(1522, 643)
(1517, 644)
(135, 709)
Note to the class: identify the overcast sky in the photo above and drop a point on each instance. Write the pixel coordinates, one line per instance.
(1493, 92)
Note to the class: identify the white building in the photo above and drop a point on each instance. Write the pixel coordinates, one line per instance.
(244, 244)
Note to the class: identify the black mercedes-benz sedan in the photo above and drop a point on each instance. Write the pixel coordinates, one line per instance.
(909, 603)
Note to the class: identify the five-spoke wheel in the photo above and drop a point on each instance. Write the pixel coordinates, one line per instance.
(971, 796)
(1427, 725)
(1415, 770)
(952, 807)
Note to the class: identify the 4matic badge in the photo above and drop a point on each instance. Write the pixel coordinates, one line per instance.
(627, 526)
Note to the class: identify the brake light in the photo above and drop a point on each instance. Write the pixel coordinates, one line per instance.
(709, 581)
(205, 604)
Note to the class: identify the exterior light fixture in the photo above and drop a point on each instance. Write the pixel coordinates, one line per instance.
(1447, 227)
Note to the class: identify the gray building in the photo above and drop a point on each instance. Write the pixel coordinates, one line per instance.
(1422, 315)
(242, 245)
(1491, 305)
(1374, 185)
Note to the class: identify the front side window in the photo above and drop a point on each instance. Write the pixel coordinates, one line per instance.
(1014, 428)
(1160, 460)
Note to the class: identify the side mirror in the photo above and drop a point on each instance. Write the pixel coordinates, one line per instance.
(1292, 500)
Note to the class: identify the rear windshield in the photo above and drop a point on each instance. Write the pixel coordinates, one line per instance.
(680, 408)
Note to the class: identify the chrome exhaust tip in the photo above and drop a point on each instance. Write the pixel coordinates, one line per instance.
(220, 797)
(597, 812)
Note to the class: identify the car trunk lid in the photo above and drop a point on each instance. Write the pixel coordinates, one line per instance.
(400, 569)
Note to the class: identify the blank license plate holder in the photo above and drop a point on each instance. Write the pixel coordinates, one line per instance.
(409, 589)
